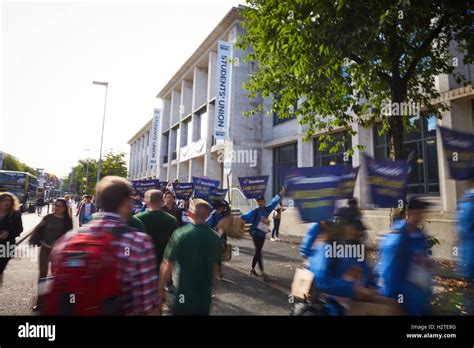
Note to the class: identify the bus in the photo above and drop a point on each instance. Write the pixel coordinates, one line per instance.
(21, 184)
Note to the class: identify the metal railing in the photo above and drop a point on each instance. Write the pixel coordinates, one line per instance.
(238, 201)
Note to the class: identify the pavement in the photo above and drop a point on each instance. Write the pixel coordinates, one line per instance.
(17, 295)
(245, 294)
(238, 294)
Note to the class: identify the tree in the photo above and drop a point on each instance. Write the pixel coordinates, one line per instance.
(85, 172)
(348, 60)
(114, 164)
(11, 163)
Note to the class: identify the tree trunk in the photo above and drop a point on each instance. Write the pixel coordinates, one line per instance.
(395, 132)
(395, 138)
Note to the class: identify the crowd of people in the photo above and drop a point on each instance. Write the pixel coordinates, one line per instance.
(134, 255)
(403, 272)
(161, 253)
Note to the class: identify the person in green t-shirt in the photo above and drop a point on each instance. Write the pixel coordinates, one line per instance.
(196, 250)
(137, 224)
(159, 225)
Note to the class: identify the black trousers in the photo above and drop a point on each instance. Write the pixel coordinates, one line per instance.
(257, 258)
(3, 263)
(4, 260)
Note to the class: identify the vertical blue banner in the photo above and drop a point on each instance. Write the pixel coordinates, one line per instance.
(155, 129)
(223, 76)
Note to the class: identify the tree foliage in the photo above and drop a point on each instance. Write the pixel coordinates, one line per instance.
(347, 59)
(11, 163)
(85, 172)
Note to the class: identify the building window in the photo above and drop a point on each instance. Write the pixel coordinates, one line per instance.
(421, 142)
(325, 158)
(277, 120)
(284, 157)
(184, 133)
(174, 142)
(197, 118)
(165, 142)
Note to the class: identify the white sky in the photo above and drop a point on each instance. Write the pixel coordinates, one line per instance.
(52, 51)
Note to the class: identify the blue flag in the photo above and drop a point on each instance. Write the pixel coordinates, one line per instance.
(314, 190)
(217, 194)
(387, 181)
(141, 186)
(253, 186)
(459, 152)
(347, 182)
(183, 190)
(204, 186)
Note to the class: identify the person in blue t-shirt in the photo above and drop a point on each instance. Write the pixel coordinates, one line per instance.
(220, 210)
(465, 227)
(137, 204)
(217, 214)
(404, 267)
(307, 248)
(340, 276)
(258, 217)
(465, 222)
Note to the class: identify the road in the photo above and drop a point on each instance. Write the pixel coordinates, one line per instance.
(238, 294)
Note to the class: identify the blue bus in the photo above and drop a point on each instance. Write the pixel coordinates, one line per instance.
(21, 184)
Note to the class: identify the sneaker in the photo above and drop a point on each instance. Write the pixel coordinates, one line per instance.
(277, 239)
(272, 239)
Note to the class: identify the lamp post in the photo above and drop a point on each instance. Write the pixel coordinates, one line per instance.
(106, 84)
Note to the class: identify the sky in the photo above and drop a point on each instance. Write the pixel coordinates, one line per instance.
(52, 51)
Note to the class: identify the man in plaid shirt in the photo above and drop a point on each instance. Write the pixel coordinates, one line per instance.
(137, 269)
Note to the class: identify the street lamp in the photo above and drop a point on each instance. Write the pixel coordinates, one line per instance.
(106, 84)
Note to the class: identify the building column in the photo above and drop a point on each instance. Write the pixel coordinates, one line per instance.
(363, 137)
(457, 118)
(305, 150)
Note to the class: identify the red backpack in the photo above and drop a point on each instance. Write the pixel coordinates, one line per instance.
(85, 279)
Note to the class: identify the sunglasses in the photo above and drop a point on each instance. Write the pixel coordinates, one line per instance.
(60, 205)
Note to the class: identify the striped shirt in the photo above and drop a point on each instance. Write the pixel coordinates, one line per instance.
(137, 269)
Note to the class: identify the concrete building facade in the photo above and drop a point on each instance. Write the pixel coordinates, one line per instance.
(187, 147)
